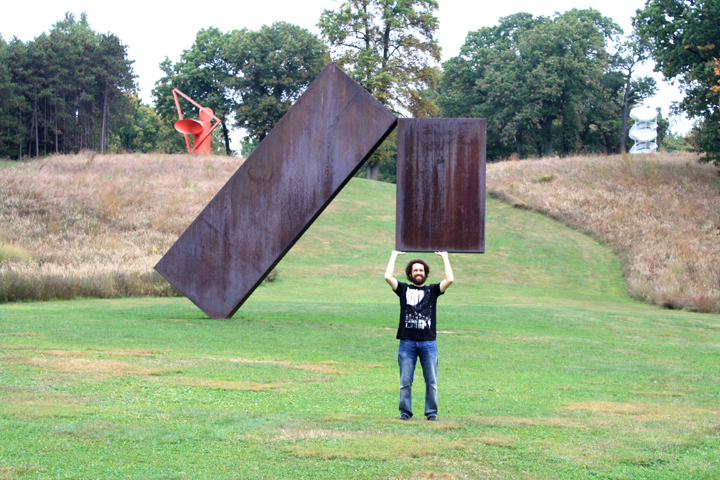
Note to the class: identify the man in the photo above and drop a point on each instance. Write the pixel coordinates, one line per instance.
(416, 329)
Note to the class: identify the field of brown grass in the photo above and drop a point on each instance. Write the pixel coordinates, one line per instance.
(95, 225)
(659, 212)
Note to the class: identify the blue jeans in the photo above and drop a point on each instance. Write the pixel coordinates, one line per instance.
(408, 353)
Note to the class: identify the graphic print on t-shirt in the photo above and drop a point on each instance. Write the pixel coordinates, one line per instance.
(418, 312)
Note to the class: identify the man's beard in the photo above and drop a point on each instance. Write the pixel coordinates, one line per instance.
(420, 282)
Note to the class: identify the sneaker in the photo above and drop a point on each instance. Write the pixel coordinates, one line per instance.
(404, 417)
(432, 418)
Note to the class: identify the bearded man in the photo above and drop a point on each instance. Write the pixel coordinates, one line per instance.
(416, 329)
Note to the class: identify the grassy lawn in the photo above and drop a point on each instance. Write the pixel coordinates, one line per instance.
(547, 370)
(7, 163)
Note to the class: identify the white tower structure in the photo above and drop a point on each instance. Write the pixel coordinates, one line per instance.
(644, 131)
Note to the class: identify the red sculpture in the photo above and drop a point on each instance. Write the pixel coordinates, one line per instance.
(199, 129)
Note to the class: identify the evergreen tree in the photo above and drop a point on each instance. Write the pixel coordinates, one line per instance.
(64, 90)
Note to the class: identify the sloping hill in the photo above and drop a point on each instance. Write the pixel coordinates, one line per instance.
(95, 226)
(345, 252)
(659, 212)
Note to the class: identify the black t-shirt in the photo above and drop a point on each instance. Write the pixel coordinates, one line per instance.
(417, 311)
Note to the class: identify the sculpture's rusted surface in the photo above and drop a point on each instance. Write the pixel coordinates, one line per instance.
(271, 200)
(441, 185)
(199, 129)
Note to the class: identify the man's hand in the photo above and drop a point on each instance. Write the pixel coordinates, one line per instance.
(389, 278)
(449, 278)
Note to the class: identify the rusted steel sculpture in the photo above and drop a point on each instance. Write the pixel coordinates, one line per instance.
(441, 185)
(199, 129)
(274, 197)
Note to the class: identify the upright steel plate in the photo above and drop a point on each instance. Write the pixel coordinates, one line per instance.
(278, 192)
(441, 185)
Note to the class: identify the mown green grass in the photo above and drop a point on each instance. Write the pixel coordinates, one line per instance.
(8, 163)
(547, 370)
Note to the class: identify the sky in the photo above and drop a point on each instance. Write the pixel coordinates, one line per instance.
(153, 30)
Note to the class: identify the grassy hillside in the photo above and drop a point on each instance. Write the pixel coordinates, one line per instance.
(94, 225)
(659, 212)
(346, 251)
(548, 370)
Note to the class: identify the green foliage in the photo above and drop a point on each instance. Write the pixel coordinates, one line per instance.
(631, 53)
(248, 146)
(255, 76)
(387, 46)
(143, 130)
(663, 127)
(63, 91)
(382, 165)
(546, 84)
(270, 69)
(9, 134)
(683, 37)
(673, 142)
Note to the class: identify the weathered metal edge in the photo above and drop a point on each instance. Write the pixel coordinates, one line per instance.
(391, 127)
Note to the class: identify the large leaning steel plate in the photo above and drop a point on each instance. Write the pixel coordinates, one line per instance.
(271, 200)
(441, 185)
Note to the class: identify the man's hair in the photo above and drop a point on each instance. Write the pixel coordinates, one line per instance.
(408, 269)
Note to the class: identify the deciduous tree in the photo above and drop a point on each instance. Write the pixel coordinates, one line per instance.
(535, 78)
(632, 53)
(684, 39)
(270, 69)
(389, 47)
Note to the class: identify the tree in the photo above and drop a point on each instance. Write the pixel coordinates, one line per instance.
(7, 89)
(683, 36)
(66, 89)
(113, 77)
(535, 79)
(568, 57)
(663, 127)
(143, 130)
(13, 103)
(607, 120)
(387, 46)
(89, 77)
(203, 74)
(269, 70)
(489, 79)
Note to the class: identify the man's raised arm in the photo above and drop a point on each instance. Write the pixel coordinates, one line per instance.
(449, 277)
(389, 278)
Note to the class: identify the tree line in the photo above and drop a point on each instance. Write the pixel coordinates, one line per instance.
(62, 91)
(548, 85)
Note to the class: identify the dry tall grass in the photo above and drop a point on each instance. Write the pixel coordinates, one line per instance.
(92, 225)
(95, 225)
(659, 212)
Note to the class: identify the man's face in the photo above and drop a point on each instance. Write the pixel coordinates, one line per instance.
(418, 273)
